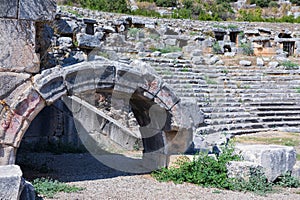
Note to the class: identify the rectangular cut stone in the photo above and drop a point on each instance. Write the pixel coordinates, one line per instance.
(38, 10)
(17, 46)
(10, 182)
(7, 155)
(8, 8)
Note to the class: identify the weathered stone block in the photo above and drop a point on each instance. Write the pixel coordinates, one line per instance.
(50, 84)
(9, 81)
(241, 169)
(25, 101)
(296, 170)
(88, 41)
(275, 160)
(7, 155)
(11, 126)
(80, 77)
(10, 182)
(8, 8)
(65, 27)
(38, 10)
(17, 46)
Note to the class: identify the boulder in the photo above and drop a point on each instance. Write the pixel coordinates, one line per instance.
(88, 41)
(10, 182)
(65, 42)
(260, 62)
(273, 64)
(229, 54)
(65, 27)
(198, 60)
(245, 63)
(213, 60)
(275, 159)
(174, 55)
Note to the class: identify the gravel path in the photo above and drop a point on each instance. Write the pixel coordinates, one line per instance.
(101, 182)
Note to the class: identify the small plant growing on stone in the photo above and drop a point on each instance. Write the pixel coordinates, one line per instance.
(132, 32)
(257, 183)
(225, 71)
(154, 36)
(286, 180)
(216, 48)
(289, 65)
(167, 49)
(247, 49)
(48, 187)
(210, 81)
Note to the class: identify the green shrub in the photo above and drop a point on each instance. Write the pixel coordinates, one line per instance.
(247, 49)
(167, 49)
(205, 171)
(260, 3)
(182, 13)
(253, 15)
(216, 48)
(289, 65)
(166, 3)
(145, 12)
(48, 187)
(132, 32)
(297, 2)
(119, 6)
(287, 180)
(257, 183)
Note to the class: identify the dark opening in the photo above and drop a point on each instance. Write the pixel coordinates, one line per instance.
(284, 35)
(289, 47)
(233, 36)
(227, 48)
(219, 36)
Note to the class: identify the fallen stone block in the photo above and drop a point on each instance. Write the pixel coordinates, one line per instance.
(10, 182)
(275, 159)
(241, 170)
(245, 63)
(88, 41)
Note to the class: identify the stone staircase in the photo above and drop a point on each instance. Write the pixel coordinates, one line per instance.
(235, 99)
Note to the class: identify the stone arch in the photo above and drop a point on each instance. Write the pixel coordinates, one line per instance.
(139, 83)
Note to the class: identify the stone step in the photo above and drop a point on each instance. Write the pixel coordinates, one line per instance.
(276, 113)
(207, 129)
(219, 121)
(244, 131)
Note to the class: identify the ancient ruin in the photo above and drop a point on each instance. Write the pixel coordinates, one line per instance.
(159, 85)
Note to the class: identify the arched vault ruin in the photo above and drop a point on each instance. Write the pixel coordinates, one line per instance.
(139, 85)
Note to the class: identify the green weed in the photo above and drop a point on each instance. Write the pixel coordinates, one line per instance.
(48, 187)
(289, 65)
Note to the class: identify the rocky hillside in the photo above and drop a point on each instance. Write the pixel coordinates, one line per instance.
(216, 10)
